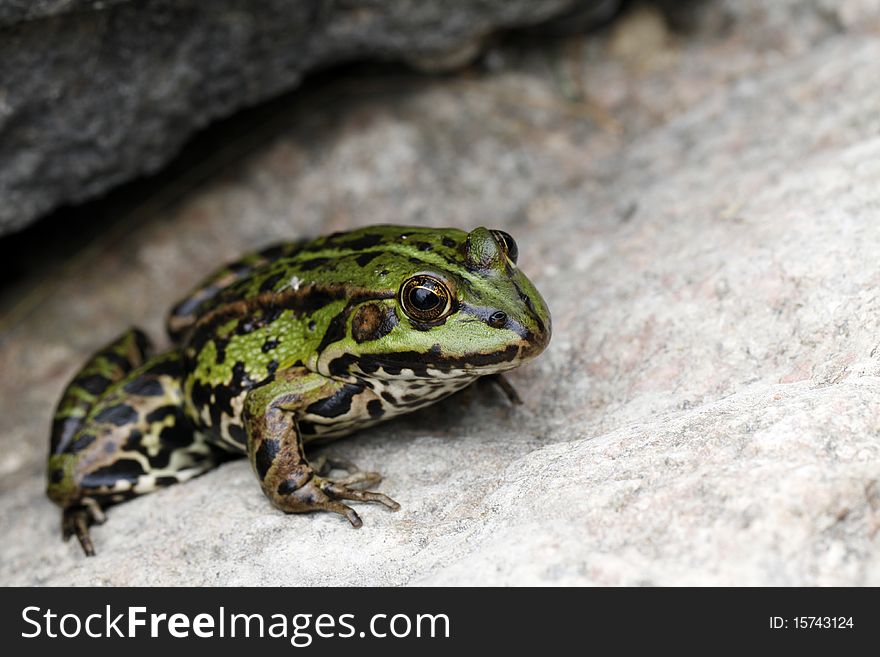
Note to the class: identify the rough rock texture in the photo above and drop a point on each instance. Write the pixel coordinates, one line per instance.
(700, 212)
(96, 93)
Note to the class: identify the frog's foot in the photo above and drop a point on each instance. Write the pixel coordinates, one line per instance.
(324, 465)
(509, 391)
(321, 494)
(76, 520)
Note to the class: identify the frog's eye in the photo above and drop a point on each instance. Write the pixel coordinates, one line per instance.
(425, 298)
(507, 244)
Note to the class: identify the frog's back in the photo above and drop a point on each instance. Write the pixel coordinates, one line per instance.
(339, 260)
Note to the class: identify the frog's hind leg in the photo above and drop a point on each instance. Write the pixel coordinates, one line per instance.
(105, 368)
(133, 438)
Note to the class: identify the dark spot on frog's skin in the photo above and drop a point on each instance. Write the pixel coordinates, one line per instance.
(163, 482)
(384, 272)
(269, 345)
(56, 475)
(312, 326)
(94, 384)
(270, 283)
(120, 470)
(200, 394)
(237, 433)
(63, 431)
(287, 487)
(168, 367)
(82, 441)
(424, 246)
(177, 435)
(306, 302)
(271, 314)
(159, 414)
(220, 350)
(357, 243)
(411, 398)
(339, 366)
(306, 428)
(449, 243)
(314, 263)
(239, 373)
(132, 442)
(335, 330)
(372, 322)
(415, 261)
(368, 368)
(337, 404)
(172, 438)
(142, 343)
(388, 397)
(271, 368)
(365, 259)
(375, 409)
(119, 415)
(265, 456)
(146, 387)
(417, 402)
(120, 360)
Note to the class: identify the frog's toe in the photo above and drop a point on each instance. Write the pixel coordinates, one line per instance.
(345, 510)
(344, 492)
(322, 494)
(76, 521)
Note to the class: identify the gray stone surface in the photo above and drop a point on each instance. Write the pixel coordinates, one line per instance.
(96, 93)
(700, 212)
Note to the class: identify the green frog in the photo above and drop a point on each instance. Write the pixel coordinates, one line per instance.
(300, 342)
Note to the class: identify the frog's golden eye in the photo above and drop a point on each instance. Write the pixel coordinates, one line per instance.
(425, 298)
(507, 244)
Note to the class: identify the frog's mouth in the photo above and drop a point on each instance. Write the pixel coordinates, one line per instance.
(436, 365)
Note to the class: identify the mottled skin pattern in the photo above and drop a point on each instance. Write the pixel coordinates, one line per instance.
(301, 341)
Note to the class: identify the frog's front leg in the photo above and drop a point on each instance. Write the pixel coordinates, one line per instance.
(275, 447)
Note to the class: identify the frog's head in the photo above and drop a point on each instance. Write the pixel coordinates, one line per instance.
(456, 305)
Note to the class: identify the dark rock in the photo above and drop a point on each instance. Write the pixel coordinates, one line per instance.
(96, 93)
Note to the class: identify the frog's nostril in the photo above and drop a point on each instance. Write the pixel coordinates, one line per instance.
(498, 319)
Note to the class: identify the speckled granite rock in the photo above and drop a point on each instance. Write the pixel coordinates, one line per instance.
(96, 93)
(700, 213)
